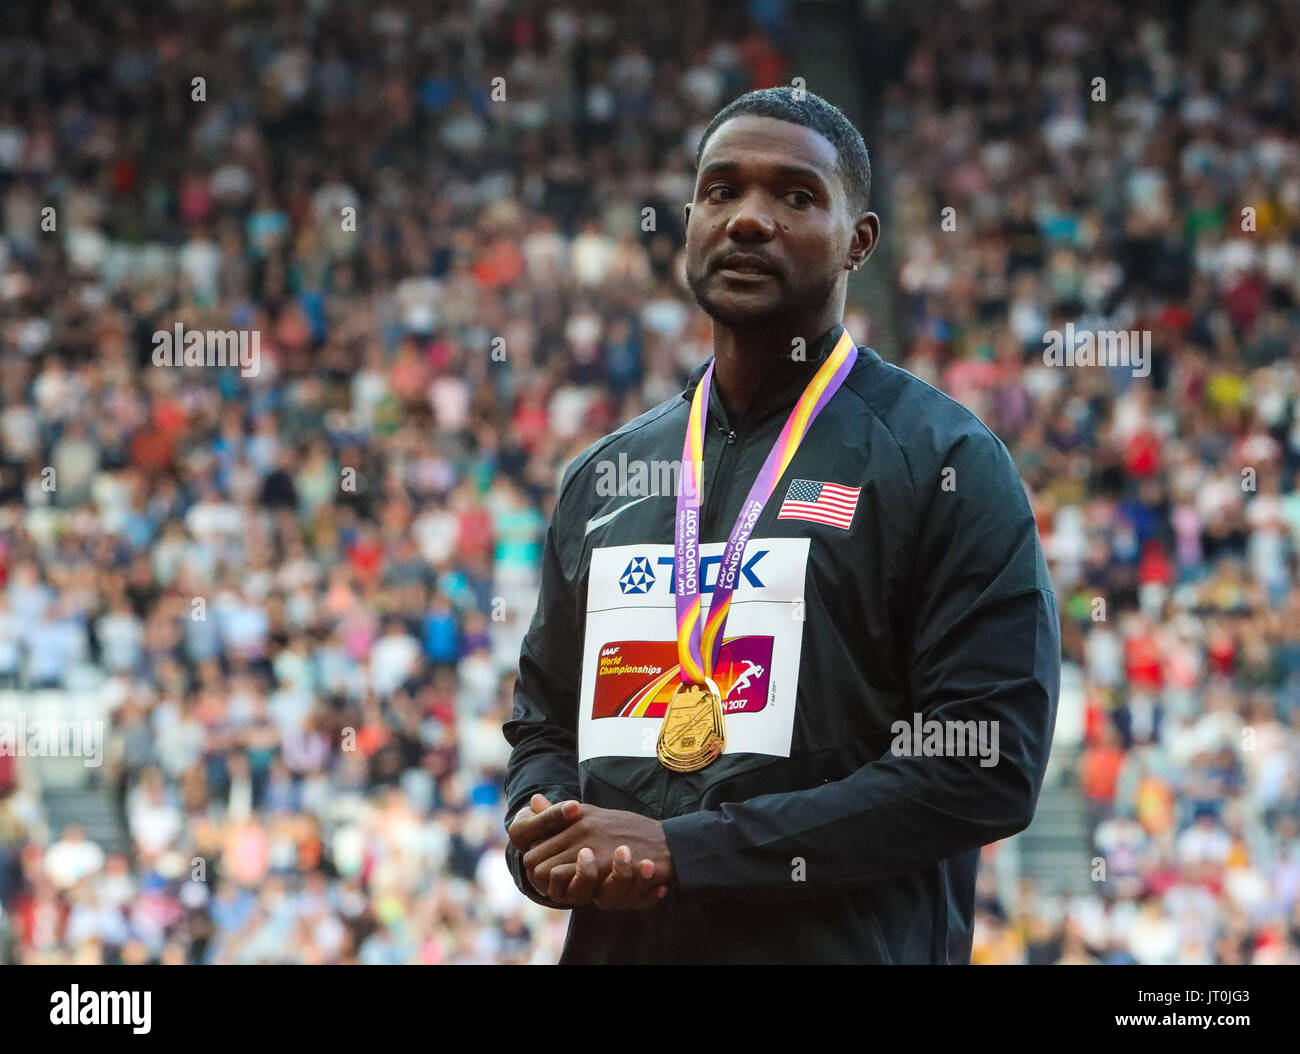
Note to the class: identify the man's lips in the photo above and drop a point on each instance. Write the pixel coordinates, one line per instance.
(744, 266)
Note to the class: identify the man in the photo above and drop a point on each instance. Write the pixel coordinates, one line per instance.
(857, 577)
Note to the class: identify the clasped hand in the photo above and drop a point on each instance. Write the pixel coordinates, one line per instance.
(577, 854)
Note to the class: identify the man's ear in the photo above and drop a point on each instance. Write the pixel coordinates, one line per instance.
(866, 235)
(686, 212)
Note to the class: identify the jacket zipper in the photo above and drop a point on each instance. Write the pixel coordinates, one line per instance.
(711, 505)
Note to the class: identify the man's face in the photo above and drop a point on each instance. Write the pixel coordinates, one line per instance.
(768, 190)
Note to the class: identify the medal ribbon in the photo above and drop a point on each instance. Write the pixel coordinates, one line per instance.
(698, 651)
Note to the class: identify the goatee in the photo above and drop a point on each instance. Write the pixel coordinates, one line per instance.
(795, 303)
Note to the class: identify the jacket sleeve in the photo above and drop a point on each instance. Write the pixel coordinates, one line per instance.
(983, 645)
(543, 728)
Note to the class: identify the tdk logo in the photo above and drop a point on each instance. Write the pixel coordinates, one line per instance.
(639, 576)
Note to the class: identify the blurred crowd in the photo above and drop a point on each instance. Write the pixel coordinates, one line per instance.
(1119, 169)
(304, 588)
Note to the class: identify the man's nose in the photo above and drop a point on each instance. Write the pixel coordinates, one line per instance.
(752, 218)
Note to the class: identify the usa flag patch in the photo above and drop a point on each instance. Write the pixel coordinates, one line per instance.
(820, 502)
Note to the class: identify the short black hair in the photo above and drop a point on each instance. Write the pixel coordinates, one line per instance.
(811, 111)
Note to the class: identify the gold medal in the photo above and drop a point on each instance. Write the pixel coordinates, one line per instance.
(693, 734)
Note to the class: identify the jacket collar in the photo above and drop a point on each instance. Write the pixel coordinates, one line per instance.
(780, 388)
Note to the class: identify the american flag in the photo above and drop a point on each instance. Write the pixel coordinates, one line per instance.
(820, 502)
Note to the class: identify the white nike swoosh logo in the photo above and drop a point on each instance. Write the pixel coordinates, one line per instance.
(600, 521)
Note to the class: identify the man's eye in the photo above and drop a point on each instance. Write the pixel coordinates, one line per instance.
(801, 199)
(717, 192)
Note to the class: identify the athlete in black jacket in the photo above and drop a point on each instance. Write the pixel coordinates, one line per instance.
(890, 661)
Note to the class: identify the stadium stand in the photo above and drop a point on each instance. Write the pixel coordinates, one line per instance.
(295, 595)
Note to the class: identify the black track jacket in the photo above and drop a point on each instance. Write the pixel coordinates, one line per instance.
(821, 834)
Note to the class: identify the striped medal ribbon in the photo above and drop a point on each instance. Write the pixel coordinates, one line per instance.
(693, 734)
